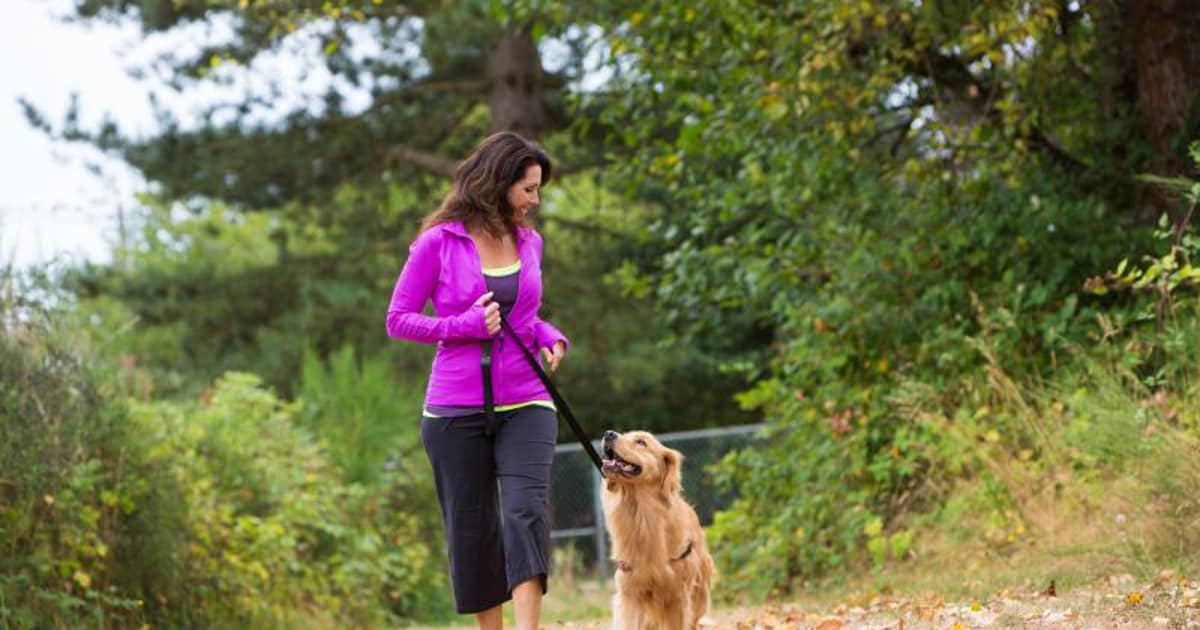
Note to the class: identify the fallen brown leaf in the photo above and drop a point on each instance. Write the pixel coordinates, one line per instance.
(831, 623)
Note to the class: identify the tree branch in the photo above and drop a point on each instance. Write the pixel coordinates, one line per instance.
(428, 87)
(902, 127)
(955, 73)
(431, 162)
(582, 226)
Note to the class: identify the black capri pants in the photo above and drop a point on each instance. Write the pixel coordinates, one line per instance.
(493, 488)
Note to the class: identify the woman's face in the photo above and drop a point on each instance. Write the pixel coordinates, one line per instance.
(523, 195)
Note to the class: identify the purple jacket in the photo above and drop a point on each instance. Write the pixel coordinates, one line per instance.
(443, 265)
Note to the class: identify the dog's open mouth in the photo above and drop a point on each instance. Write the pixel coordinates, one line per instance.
(613, 463)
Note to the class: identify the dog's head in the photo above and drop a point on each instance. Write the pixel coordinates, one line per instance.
(637, 458)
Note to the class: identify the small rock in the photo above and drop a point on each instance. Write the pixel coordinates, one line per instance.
(1161, 621)
(981, 619)
(1054, 616)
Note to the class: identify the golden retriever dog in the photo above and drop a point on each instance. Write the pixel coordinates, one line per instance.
(664, 572)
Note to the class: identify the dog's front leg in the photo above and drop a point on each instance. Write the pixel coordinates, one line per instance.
(627, 615)
(698, 601)
(677, 616)
(665, 610)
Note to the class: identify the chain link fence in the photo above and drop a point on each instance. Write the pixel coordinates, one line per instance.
(577, 520)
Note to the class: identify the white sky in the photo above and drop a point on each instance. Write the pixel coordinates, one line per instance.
(50, 205)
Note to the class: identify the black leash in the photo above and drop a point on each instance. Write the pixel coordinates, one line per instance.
(559, 402)
(489, 404)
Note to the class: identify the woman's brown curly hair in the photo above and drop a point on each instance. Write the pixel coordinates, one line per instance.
(479, 197)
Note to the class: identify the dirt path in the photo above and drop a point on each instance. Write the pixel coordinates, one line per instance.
(1168, 601)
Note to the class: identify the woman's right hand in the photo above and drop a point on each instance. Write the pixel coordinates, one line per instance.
(491, 312)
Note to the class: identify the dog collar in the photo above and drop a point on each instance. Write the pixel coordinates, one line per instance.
(625, 566)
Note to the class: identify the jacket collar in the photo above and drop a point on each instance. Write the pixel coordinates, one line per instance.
(457, 228)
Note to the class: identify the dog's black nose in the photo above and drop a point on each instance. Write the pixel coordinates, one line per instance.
(610, 435)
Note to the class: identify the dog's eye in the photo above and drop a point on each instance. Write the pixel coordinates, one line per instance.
(640, 441)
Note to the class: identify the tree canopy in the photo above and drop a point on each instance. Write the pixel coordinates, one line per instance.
(435, 78)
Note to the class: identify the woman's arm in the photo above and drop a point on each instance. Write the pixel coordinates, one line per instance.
(546, 335)
(555, 346)
(414, 287)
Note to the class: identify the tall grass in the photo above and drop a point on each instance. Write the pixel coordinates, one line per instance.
(1096, 466)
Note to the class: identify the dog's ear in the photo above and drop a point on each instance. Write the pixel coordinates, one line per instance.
(672, 478)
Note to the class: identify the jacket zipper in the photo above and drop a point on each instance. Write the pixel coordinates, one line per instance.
(499, 340)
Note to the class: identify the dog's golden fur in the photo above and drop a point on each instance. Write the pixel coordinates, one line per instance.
(664, 572)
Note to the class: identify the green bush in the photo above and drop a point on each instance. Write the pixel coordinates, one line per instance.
(73, 480)
(832, 493)
(894, 314)
(366, 415)
(928, 357)
(273, 536)
(220, 512)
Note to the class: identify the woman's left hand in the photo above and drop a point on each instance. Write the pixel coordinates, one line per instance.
(552, 357)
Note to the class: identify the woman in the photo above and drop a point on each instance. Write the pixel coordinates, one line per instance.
(478, 260)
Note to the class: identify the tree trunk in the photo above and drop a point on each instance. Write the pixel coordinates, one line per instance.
(1165, 38)
(517, 85)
